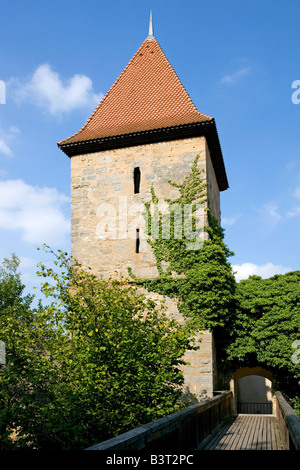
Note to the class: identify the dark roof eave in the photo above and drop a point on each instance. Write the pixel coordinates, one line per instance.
(195, 129)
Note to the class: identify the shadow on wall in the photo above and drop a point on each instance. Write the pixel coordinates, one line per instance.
(254, 394)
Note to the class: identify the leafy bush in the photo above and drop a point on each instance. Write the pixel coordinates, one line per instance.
(99, 360)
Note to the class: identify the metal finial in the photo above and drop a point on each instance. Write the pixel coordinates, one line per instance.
(150, 35)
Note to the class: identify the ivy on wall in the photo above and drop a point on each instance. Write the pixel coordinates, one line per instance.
(192, 262)
(255, 321)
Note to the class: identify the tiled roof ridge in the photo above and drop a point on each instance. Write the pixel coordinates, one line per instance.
(153, 40)
(177, 77)
(107, 94)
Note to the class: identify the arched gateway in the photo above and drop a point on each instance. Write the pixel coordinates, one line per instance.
(252, 390)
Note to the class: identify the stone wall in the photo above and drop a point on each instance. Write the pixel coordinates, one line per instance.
(106, 214)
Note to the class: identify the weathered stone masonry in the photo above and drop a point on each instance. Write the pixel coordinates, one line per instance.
(106, 179)
(146, 121)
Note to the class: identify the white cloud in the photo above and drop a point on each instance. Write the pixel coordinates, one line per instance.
(28, 268)
(26, 262)
(5, 149)
(231, 220)
(36, 212)
(6, 138)
(243, 271)
(293, 213)
(291, 165)
(296, 211)
(297, 192)
(235, 77)
(47, 89)
(270, 214)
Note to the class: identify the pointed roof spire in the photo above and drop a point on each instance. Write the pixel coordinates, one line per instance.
(147, 95)
(151, 34)
(147, 103)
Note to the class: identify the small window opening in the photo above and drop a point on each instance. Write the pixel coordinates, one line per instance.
(137, 241)
(137, 180)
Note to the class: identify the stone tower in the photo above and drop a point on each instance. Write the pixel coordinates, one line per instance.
(146, 130)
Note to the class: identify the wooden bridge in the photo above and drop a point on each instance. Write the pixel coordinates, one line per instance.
(247, 432)
(213, 425)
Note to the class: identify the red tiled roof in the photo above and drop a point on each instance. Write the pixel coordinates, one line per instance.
(147, 95)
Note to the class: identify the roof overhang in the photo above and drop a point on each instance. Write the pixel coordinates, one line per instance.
(196, 129)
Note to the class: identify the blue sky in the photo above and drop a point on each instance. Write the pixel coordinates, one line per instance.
(237, 60)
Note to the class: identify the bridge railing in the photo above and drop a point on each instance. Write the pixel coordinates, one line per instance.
(184, 429)
(255, 408)
(288, 422)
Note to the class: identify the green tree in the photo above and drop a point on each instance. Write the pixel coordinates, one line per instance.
(11, 286)
(254, 322)
(266, 328)
(30, 336)
(99, 360)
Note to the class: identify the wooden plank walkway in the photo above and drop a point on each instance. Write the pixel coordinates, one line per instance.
(247, 432)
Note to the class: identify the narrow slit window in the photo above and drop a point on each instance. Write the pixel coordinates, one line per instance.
(137, 179)
(137, 241)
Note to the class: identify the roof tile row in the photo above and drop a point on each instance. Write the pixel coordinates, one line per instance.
(147, 95)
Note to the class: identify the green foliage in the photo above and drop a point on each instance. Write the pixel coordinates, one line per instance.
(99, 360)
(266, 325)
(254, 322)
(31, 337)
(295, 404)
(11, 286)
(194, 272)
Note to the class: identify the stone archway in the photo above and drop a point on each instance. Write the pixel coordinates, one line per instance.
(251, 388)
